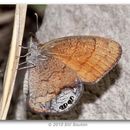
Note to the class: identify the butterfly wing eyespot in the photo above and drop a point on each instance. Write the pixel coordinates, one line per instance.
(63, 106)
(89, 56)
(72, 98)
(70, 101)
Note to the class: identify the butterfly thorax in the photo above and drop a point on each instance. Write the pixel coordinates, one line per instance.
(36, 54)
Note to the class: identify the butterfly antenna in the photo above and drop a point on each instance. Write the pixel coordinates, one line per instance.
(36, 20)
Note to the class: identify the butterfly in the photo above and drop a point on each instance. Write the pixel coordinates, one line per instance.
(60, 66)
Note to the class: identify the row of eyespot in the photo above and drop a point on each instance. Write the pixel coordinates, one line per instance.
(70, 101)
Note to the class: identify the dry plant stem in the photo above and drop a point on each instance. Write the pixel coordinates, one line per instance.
(12, 65)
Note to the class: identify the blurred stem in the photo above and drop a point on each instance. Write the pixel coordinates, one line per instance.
(12, 64)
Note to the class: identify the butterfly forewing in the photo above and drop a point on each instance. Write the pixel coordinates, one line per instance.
(89, 56)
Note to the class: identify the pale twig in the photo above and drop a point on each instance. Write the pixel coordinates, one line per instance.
(12, 64)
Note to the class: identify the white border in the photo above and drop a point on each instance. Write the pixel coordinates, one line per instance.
(65, 1)
(44, 125)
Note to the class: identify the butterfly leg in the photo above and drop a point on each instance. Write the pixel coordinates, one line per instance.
(25, 62)
(26, 67)
(23, 47)
(27, 54)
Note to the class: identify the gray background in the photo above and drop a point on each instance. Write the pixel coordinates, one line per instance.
(110, 98)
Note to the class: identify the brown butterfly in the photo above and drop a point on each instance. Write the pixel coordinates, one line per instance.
(62, 65)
